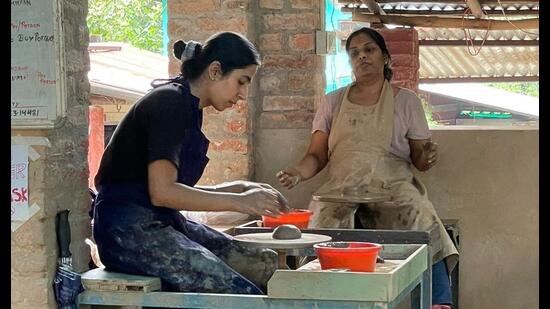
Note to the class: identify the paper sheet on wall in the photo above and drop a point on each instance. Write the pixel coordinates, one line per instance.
(19, 182)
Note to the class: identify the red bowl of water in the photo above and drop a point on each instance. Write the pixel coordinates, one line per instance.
(297, 217)
(355, 256)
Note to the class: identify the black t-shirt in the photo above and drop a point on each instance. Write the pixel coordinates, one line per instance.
(153, 129)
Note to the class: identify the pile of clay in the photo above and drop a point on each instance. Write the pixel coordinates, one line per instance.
(287, 231)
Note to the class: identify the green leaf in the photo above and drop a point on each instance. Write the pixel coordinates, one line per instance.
(137, 22)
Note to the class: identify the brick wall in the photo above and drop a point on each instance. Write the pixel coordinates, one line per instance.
(228, 131)
(291, 77)
(403, 47)
(285, 89)
(57, 179)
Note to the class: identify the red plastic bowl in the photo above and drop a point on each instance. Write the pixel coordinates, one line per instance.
(355, 256)
(298, 217)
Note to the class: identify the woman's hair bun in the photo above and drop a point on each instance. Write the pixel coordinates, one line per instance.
(179, 48)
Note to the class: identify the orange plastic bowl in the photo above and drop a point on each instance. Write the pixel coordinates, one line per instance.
(298, 217)
(355, 256)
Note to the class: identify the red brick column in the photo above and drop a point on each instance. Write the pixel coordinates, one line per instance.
(229, 131)
(96, 141)
(403, 47)
(291, 77)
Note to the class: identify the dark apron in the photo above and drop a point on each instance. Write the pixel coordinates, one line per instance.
(135, 237)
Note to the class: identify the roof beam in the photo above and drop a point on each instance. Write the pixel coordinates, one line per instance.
(462, 1)
(482, 2)
(475, 7)
(458, 12)
(479, 42)
(494, 43)
(447, 22)
(374, 7)
(488, 79)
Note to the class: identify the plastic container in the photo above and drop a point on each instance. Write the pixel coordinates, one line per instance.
(297, 217)
(355, 256)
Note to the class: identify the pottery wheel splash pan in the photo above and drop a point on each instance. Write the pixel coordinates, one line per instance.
(266, 240)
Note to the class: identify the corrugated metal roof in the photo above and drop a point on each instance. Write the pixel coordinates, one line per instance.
(508, 54)
(492, 61)
(437, 8)
(123, 69)
(458, 34)
(484, 95)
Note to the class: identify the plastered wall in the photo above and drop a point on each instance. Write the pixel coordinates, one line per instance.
(58, 179)
(487, 180)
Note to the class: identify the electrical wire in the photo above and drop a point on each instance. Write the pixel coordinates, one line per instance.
(506, 17)
(468, 36)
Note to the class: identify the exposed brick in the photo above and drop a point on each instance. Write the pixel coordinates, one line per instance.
(401, 47)
(233, 23)
(288, 61)
(407, 35)
(405, 74)
(300, 81)
(404, 60)
(302, 42)
(241, 107)
(286, 120)
(306, 21)
(270, 83)
(301, 4)
(175, 28)
(236, 126)
(408, 84)
(287, 103)
(235, 4)
(271, 4)
(234, 145)
(271, 42)
(226, 167)
(186, 7)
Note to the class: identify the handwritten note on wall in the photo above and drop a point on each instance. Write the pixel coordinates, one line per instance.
(19, 182)
(34, 63)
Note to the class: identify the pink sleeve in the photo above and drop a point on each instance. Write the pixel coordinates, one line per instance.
(327, 108)
(416, 118)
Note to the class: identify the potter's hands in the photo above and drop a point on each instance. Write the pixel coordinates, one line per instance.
(262, 202)
(289, 177)
(249, 185)
(429, 154)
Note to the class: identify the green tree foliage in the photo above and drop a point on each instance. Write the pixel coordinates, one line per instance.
(530, 89)
(138, 22)
(428, 112)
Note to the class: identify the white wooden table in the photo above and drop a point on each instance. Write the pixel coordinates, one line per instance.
(405, 272)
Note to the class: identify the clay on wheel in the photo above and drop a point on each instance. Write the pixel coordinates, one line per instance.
(287, 231)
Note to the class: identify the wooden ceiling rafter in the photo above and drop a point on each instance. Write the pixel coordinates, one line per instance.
(373, 7)
(433, 12)
(475, 8)
(482, 2)
(446, 22)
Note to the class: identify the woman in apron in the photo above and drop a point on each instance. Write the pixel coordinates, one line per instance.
(367, 134)
(149, 170)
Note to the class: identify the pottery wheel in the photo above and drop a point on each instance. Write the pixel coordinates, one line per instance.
(266, 240)
(364, 198)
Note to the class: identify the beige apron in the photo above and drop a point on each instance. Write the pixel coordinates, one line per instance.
(359, 156)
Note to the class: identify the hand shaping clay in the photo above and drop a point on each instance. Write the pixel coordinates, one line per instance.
(287, 231)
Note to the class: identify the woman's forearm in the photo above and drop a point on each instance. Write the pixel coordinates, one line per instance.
(309, 166)
(228, 187)
(182, 197)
